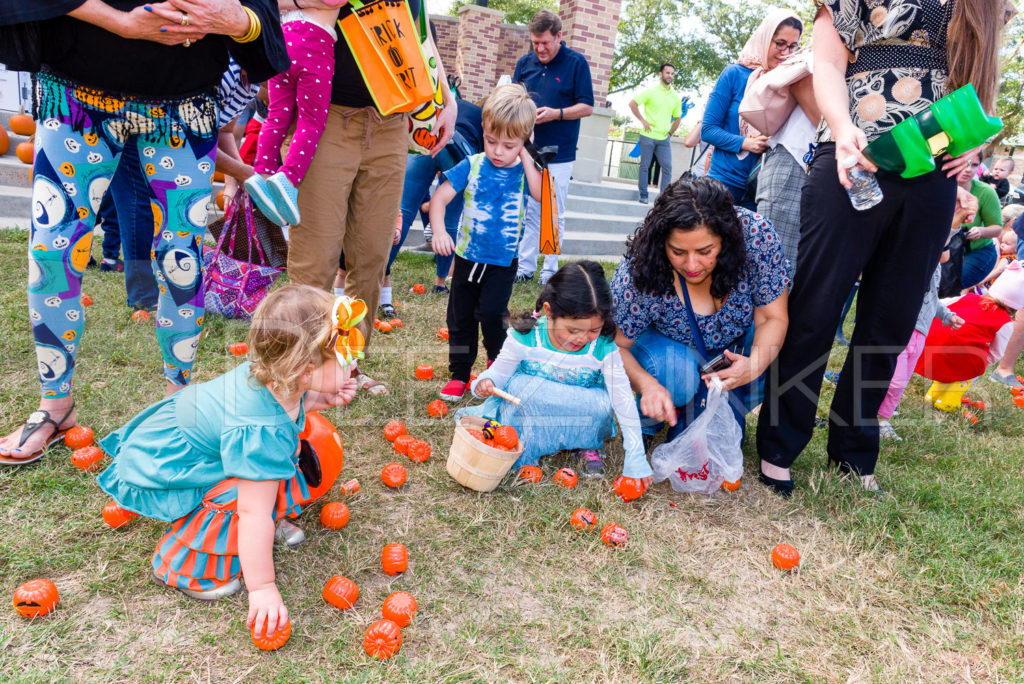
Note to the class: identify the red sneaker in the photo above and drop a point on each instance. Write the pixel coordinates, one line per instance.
(454, 390)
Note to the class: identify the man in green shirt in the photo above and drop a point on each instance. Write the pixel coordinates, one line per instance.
(663, 111)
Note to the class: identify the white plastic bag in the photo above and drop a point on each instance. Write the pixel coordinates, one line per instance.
(706, 453)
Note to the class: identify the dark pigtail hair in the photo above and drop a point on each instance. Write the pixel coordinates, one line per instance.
(577, 290)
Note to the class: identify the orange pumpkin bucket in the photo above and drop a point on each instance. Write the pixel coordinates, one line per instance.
(472, 463)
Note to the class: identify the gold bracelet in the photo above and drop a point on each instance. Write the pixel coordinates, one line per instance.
(255, 27)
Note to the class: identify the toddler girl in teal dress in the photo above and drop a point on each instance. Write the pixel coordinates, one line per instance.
(220, 460)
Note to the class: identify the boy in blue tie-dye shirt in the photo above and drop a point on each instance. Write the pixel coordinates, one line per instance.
(486, 254)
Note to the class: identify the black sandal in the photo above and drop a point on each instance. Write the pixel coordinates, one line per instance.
(35, 421)
(387, 311)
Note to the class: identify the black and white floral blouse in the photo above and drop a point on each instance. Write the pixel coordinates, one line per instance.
(897, 58)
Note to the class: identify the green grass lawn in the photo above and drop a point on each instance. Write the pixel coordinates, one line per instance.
(923, 585)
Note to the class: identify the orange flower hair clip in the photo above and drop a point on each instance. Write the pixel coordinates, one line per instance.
(348, 343)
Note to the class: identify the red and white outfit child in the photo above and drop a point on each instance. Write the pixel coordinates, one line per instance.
(301, 95)
(952, 358)
(931, 310)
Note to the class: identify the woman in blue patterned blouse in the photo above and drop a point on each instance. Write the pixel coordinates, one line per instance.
(697, 261)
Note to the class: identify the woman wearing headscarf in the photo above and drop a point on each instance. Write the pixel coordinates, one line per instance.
(112, 76)
(737, 147)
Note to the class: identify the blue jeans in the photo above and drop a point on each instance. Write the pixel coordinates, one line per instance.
(676, 367)
(128, 224)
(420, 171)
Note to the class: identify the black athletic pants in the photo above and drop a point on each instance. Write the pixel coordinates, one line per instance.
(479, 295)
(895, 245)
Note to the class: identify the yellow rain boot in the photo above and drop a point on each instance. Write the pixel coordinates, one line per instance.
(946, 396)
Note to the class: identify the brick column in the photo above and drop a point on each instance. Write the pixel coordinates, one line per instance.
(590, 26)
(479, 39)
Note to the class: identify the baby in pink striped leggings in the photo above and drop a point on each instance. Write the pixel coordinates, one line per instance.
(301, 95)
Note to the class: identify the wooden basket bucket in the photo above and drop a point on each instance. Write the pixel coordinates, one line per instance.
(472, 463)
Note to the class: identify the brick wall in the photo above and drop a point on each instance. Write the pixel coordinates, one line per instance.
(589, 26)
(515, 42)
(479, 35)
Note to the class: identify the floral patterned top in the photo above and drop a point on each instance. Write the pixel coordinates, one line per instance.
(763, 282)
(879, 34)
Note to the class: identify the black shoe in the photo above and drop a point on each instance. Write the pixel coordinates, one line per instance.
(783, 488)
(115, 266)
(387, 311)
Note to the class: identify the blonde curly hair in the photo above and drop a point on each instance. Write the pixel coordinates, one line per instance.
(290, 330)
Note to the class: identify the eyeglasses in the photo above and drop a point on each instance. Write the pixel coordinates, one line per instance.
(783, 46)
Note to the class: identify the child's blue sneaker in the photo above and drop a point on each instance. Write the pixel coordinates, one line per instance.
(259, 190)
(285, 196)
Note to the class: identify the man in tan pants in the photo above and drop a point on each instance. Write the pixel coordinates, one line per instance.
(351, 193)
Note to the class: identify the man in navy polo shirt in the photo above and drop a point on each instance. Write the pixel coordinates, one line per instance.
(558, 79)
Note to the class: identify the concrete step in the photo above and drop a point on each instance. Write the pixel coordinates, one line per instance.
(600, 223)
(13, 172)
(609, 190)
(576, 243)
(15, 201)
(631, 209)
(23, 222)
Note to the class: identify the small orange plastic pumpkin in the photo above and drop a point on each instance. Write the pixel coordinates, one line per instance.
(442, 333)
(402, 443)
(220, 200)
(22, 124)
(116, 517)
(35, 598)
(566, 478)
(394, 429)
(26, 152)
(424, 372)
(383, 639)
(393, 475)
(1018, 400)
(785, 557)
(629, 488)
(334, 515)
(141, 316)
(506, 436)
(614, 535)
(531, 473)
(79, 437)
(376, 324)
(583, 519)
(238, 348)
(980, 405)
(218, 176)
(731, 486)
(385, 327)
(400, 608)
(437, 408)
(86, 300)
(5, 141)
(86, 458)
(971, 417)
(341, 592)
(418, 288)
(396, 323)
(274, 641)
(394, 559)
(419, 451)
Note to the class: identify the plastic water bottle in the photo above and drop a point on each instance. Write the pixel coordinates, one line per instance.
(865, 192)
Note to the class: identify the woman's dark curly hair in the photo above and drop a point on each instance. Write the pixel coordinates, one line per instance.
(578, 290)
(684, 205)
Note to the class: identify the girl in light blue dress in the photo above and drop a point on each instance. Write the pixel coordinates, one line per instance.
(221, 461)
(562, 362)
